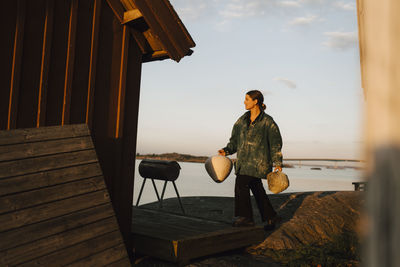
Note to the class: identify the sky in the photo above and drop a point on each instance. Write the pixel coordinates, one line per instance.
(302, 54)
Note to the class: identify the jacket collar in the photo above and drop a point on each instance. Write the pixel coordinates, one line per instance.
(259, 117)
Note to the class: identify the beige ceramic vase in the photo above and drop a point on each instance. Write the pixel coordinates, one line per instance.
(218, 167)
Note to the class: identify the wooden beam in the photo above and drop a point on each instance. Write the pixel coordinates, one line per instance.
(69, 68)
(123, 193)
(132, 15)
(128, 4)
(155, 23)
(44, 69)
(16, 66)
(8, 20)
(153, 40)
(141, 41)
(93, 62)
(157, 55)
(169, 27)
(117, 8)
(119, 116)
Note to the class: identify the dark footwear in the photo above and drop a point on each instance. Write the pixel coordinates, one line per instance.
(242, 222)
(271, 223)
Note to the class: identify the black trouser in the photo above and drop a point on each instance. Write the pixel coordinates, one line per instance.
(242, 198)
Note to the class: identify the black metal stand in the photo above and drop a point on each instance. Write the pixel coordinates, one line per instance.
(162, 194)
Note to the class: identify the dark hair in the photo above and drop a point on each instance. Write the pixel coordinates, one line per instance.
(255, 94)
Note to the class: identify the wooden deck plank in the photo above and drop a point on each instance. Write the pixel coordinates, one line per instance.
(171, 226)
(103, 258)
(179, 238)
(53, 243)
(218, 241)
(54, 226)
(154, 247)
(48, 178)
(36, 214)
(45, 163)
(121, 263)
(37, 149)
(78, 251)
(49, 194)
(41, 134)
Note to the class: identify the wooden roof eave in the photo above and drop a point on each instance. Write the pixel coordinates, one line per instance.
(160, 55)
(166, 36)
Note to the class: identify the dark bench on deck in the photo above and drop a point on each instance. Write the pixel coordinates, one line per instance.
(54, 205)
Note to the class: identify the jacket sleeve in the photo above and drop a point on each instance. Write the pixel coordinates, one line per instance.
(275, 144)
(231, 147)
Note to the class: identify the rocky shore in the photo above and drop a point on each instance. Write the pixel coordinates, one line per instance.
(317, 228)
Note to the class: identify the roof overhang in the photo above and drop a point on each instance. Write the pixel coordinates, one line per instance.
(156, 27)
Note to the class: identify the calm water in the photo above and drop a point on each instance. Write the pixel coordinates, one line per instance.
(194, 181)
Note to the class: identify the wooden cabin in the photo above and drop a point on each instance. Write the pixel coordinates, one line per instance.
(79, 61)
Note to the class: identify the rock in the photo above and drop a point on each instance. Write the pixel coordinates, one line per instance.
(314, 219)
(318, 228)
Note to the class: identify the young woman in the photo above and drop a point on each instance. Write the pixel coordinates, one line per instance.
(257, 141)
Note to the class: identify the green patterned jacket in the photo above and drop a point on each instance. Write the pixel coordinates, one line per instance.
(258, 145)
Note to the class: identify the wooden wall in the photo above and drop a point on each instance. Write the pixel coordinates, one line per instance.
(55, 209)
(69, 62)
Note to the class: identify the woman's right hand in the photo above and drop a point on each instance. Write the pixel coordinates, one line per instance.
(221, 152)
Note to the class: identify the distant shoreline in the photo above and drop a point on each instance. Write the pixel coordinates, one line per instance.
(202, 159)
(183, 158)
(174, 156)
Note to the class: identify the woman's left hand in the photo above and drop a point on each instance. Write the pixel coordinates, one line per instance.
(278, 168)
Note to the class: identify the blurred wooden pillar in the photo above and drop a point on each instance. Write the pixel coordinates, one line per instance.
(379, 34)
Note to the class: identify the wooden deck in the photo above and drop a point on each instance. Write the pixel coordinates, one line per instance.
(179, 238)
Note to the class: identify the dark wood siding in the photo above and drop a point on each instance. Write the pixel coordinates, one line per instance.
(55, 91)
(54, 196)
(8, 20)
(30, 66)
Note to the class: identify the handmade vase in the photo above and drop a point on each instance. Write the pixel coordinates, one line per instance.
(218, 167)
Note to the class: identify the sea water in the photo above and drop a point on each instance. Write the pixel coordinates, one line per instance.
(193, 180)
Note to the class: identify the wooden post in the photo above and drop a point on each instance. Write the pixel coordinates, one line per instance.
(29, 79)
(128, 142)
(93, 62)
(117, 96)
(16, 65)
(69, 68)
(115, 110)
(380, 63)
(44, 68)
